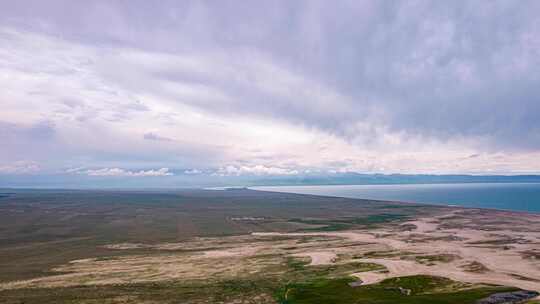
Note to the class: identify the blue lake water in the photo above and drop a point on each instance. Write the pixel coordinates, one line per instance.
(509, 196)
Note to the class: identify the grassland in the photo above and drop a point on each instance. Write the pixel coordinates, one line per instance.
(413, 289)
(43, 229)
(297, 282)
(235, 246)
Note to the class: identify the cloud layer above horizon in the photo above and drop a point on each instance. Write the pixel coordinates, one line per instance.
(135, 89)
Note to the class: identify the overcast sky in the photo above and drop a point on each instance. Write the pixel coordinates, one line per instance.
(139, 89)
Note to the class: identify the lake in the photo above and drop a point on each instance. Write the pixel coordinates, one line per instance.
(508, 196)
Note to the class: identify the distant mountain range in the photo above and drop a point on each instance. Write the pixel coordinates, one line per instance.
(204, 180)
(374, 179)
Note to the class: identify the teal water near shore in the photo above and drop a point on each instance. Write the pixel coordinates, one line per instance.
(507, 196)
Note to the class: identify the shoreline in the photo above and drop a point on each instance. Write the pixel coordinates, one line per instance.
(279, 189)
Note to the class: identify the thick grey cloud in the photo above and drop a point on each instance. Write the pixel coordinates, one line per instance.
(426, 67)
(368, 72)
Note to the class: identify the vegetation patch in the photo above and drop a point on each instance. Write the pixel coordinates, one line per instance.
(434, 258)
(300, 271)
(413, 289)
(339, 224)
(475, 267)
(383, 254)
(531, 254)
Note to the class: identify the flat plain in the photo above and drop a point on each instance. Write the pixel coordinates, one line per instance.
(245, 246)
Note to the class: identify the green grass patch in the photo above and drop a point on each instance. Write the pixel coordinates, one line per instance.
(423, 289)
(339, 224)
(297, 282)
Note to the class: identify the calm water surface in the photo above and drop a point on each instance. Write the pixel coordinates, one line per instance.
(509, 196)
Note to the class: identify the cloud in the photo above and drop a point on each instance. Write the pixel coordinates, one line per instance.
(154, 136)
(28, 140)
(192, 172)
(38, 131)
(254, 170)
(126, 173)
(432, 56)
(363, 86)
(20, 167)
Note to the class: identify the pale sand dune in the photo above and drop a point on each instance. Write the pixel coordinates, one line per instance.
(398, 268)
(505, 263)
(318, 257)
(423, 226)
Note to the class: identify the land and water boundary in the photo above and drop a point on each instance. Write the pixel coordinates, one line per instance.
(514, 196)
(246, 246)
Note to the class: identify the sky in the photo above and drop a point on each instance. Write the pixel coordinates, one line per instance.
(172, 91)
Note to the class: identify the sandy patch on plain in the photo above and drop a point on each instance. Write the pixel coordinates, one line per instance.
(318, 258)
(500, 251)
(240, 251)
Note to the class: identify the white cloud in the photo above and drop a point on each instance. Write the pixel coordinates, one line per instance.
(254, 170)
(20, 167)
(123, 172)
(192, 171)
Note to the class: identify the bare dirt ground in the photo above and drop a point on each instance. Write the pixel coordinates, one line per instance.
(473, 246)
